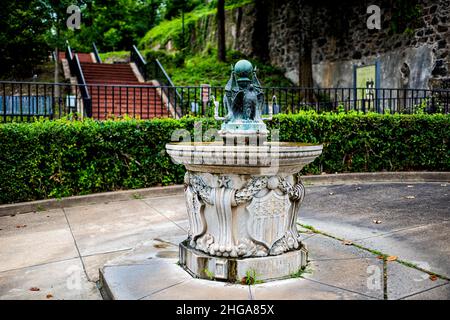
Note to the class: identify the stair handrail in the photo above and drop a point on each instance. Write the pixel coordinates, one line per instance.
(168, 81)
(164, 80)
(82, 85)
(96, 54)
(69, 56)
(137, 58)
(157, 73)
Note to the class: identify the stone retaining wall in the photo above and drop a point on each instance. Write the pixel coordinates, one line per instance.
(414, 56)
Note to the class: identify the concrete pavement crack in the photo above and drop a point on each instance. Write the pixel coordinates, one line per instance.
(39, 264)
(339, 259)
(160, 290)
(150, 206)
(309, 237)
(250, 293)
(340, 288)
(426, 290)
(375, 252)
(398, 230)
(78, 249)
(106, 252)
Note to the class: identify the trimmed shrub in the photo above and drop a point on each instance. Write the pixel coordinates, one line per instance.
(53, 159)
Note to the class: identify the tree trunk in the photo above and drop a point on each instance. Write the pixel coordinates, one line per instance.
(260, 37)
(305, 78)
(57, 65)
(305, 74)
(221, 49)
(305, 66)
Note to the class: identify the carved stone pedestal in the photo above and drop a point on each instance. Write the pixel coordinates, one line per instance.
(243, 192)
(201, 265)
(242, 223)
(242, 203)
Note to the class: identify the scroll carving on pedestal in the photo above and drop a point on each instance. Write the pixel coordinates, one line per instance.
(197, 224)
(272, 205)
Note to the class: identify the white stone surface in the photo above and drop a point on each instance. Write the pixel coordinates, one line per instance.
(242, 202)
(268, 268)
(269, 159)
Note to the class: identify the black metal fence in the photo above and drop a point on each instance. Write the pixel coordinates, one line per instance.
(81, 90)
(25, 101)
(197, 100)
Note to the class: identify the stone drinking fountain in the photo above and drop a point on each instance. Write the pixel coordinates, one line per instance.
(243, 193)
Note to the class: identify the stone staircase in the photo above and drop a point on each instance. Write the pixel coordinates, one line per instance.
(115, 89)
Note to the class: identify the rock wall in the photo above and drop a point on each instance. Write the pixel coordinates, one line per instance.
(239, 27)
(417, 57)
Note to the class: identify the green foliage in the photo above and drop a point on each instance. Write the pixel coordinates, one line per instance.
(300, 273)
(29, 30)
(172, 8)
(251, 278)
(193, 69)
(115, 56)
(172, 27)
(53, 159)
(209, 274)
(356, 142)
(22, 38)
(405, 16)
(112, 37)
(114, 25)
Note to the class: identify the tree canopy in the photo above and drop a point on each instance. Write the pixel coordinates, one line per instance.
(30, 30)
(23, 25)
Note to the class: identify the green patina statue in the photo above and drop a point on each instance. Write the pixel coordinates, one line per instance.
(244, 100)
(243, 93)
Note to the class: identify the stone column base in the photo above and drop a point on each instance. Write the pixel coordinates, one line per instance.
(203, 266)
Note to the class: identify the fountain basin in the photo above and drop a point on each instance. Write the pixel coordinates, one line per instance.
(269, 158)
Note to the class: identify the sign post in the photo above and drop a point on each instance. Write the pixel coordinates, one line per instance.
(366, 85)
(206, 92)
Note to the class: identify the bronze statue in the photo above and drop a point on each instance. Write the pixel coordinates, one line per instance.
(244, 97)
(244, 100)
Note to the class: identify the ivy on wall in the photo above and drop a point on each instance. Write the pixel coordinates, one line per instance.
(405, 16)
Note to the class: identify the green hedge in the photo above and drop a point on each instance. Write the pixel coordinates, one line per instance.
(52, 159)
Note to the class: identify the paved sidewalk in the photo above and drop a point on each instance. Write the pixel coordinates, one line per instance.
(57, 254)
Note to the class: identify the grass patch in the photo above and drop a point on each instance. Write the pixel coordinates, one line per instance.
(301, 272)
(251, 278)
(375, 252)
(114, 56)
(172, 29)
(198, 69)
(209, 274)
(311, 228)
(137, 196)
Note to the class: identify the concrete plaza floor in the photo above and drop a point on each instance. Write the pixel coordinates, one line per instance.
(57, 254)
